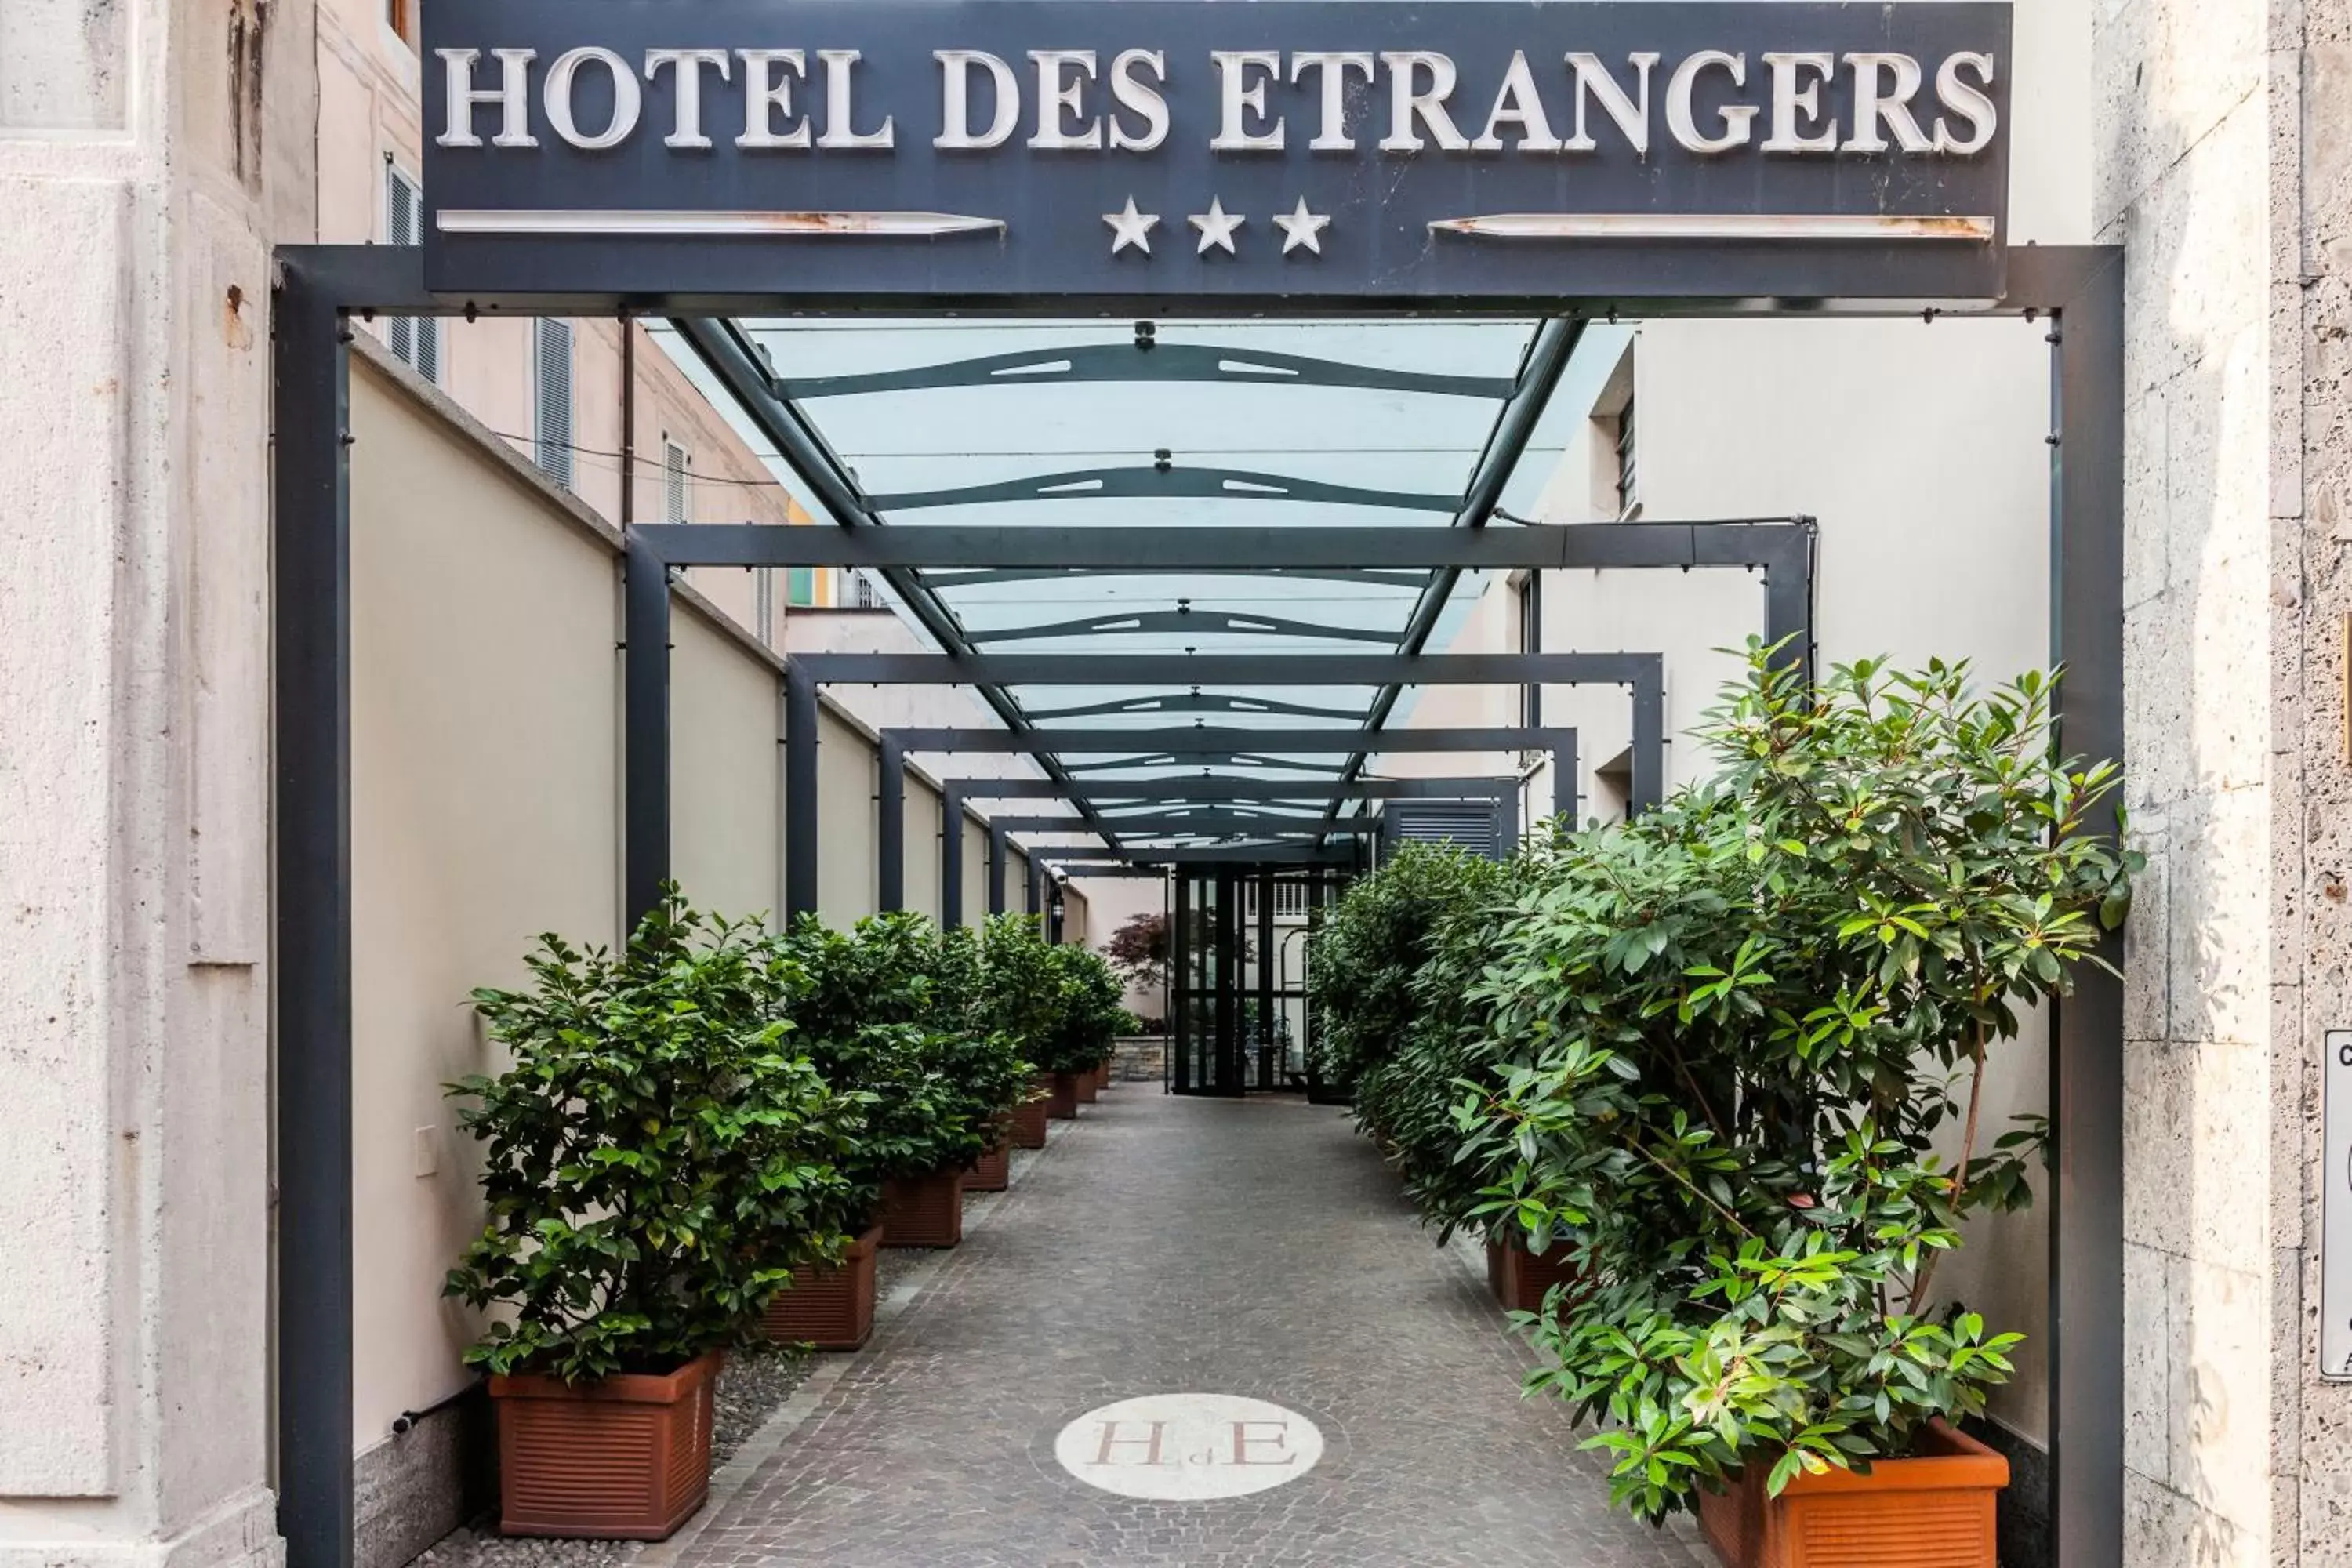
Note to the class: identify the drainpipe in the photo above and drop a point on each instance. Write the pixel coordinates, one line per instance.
(628, 420)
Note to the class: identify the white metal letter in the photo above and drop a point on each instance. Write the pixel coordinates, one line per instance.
(1521, 105)
(1633, 117)
(1875, 103)
(1969, 100)
(1791, 98)
(1333, 68)
(513, 95)
(841, 107)
(766, 96)
(1241, 99)
(955, 101)
(627, 101)
(687, 65)
(1060, 94)
(1408, 104)
(1738, 119)
(1132, 93)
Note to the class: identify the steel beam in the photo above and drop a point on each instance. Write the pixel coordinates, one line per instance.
(1237, 855)
(1181, 670)
(1205, 760)
(1181, 622)
(2087, 1331)
(946, 582)
(1144, 360)
(311, 608)
(1221, 789)
(1140, 548)
(1163, 481)
(1195, 702)
(1179, 743)
(1158, 826)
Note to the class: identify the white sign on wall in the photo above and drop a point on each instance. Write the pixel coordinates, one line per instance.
(2336, 1214)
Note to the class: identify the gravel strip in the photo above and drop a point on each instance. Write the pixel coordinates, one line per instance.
(750, 1388)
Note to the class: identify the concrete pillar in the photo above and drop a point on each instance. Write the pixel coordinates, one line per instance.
(150, 153)
(2223, 164)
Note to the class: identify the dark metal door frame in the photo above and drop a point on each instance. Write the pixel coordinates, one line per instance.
(322, 289)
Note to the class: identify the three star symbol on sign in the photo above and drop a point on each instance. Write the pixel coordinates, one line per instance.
(1301, 229)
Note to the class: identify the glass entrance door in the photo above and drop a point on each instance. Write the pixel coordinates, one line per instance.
(1206, 1031)
(1239, 1020)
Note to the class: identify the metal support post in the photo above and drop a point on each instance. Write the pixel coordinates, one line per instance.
(1649, 780)
(802, 833)
(645, 749)
(1266, 976)
(2086, 1087)
(1565, 785)
(950, 858)
(310, 603)
(890, 837)
(996, 868)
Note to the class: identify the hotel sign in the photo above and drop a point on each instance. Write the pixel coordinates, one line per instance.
(1027, 152)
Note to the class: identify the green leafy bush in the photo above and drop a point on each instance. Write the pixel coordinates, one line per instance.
(1370, 947)
(1061, 1001)
(660, 1154)
(892, 1008)
(1406, 1098)
(1733, 1032)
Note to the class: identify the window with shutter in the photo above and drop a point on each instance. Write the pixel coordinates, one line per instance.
(414, 340)
(800, 586)
(677, 465)
(1628, 488)
(551, 398)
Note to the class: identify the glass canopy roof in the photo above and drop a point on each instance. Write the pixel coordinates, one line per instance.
(1212, 425)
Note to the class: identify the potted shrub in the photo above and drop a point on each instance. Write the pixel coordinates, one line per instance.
(1050, 998)
(1746, 1038)
(660, 1161)
(891, 1009)
(1025, 1127)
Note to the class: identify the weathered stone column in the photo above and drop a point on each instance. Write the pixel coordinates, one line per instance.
(2224, 166)
(151, 151)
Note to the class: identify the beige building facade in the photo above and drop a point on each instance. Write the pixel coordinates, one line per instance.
(153, 152)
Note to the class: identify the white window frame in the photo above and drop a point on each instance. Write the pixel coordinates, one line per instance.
(416, 341)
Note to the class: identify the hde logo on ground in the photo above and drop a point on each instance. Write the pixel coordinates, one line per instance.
(1178, 1448)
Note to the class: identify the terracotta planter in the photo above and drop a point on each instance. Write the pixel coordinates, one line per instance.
(991, 1172)
(1062, 1103)
(1102, 1075)
(1520, 1280)
(626, 1458)
(1028, 1125)
(829, 1309)
(1933, 1512)
(923, 1211)
(1085, 1084)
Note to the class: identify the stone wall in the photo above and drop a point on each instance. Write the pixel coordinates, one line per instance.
(144, 174)
(2222, 166)
(1141, 1059)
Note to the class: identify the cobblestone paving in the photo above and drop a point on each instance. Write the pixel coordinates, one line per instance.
(1169, 1245)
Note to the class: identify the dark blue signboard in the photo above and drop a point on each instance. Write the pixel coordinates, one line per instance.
(1033, 153)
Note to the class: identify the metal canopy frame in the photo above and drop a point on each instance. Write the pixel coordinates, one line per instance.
(322, 289)
(1649, 764)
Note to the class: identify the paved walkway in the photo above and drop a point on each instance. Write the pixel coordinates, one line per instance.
(1178, 1246)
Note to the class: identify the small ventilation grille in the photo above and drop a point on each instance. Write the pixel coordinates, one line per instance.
(1473, 828)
